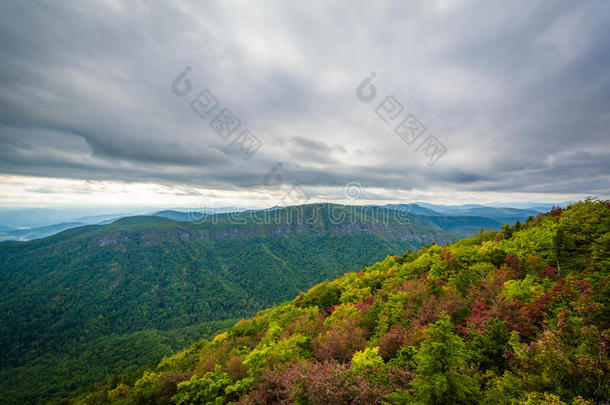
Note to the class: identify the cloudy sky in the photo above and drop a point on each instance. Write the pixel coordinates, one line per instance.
(93, 111)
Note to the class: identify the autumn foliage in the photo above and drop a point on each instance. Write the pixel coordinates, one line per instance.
(486, 320)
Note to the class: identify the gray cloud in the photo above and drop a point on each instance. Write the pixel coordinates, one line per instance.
(519, 94)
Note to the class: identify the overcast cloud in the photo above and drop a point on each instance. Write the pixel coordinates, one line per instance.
(518, 92)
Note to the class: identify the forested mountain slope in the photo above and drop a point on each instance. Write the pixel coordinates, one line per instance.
(150, 284)
(520, 316)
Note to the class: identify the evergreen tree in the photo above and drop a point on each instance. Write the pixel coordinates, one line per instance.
(440, 377)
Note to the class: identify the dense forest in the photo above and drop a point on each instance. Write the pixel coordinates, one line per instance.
(517, 316)
(95, 301)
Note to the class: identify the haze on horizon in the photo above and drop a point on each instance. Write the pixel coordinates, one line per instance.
(93, 113)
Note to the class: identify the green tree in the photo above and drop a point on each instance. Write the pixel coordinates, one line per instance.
(487, 348)
(507, 231)
(439, 377)
(209, 389)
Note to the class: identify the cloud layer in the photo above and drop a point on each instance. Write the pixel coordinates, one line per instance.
(519, 94)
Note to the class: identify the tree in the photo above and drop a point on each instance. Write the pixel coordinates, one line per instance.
(367, 360)
(507, 232)
(209, 389)
(559, 247)
(488, 347)
(339, 342)
(536, 398)
(439, 377)
(391, 342)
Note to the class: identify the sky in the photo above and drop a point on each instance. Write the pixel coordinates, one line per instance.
(253, 104)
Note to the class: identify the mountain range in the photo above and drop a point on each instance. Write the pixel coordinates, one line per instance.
(29, 224)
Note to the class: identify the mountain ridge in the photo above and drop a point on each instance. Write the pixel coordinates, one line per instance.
(474, 211)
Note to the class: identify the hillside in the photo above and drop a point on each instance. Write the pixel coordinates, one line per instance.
(151, 285)
(520, 316)
(25, 234)
(175, 215)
